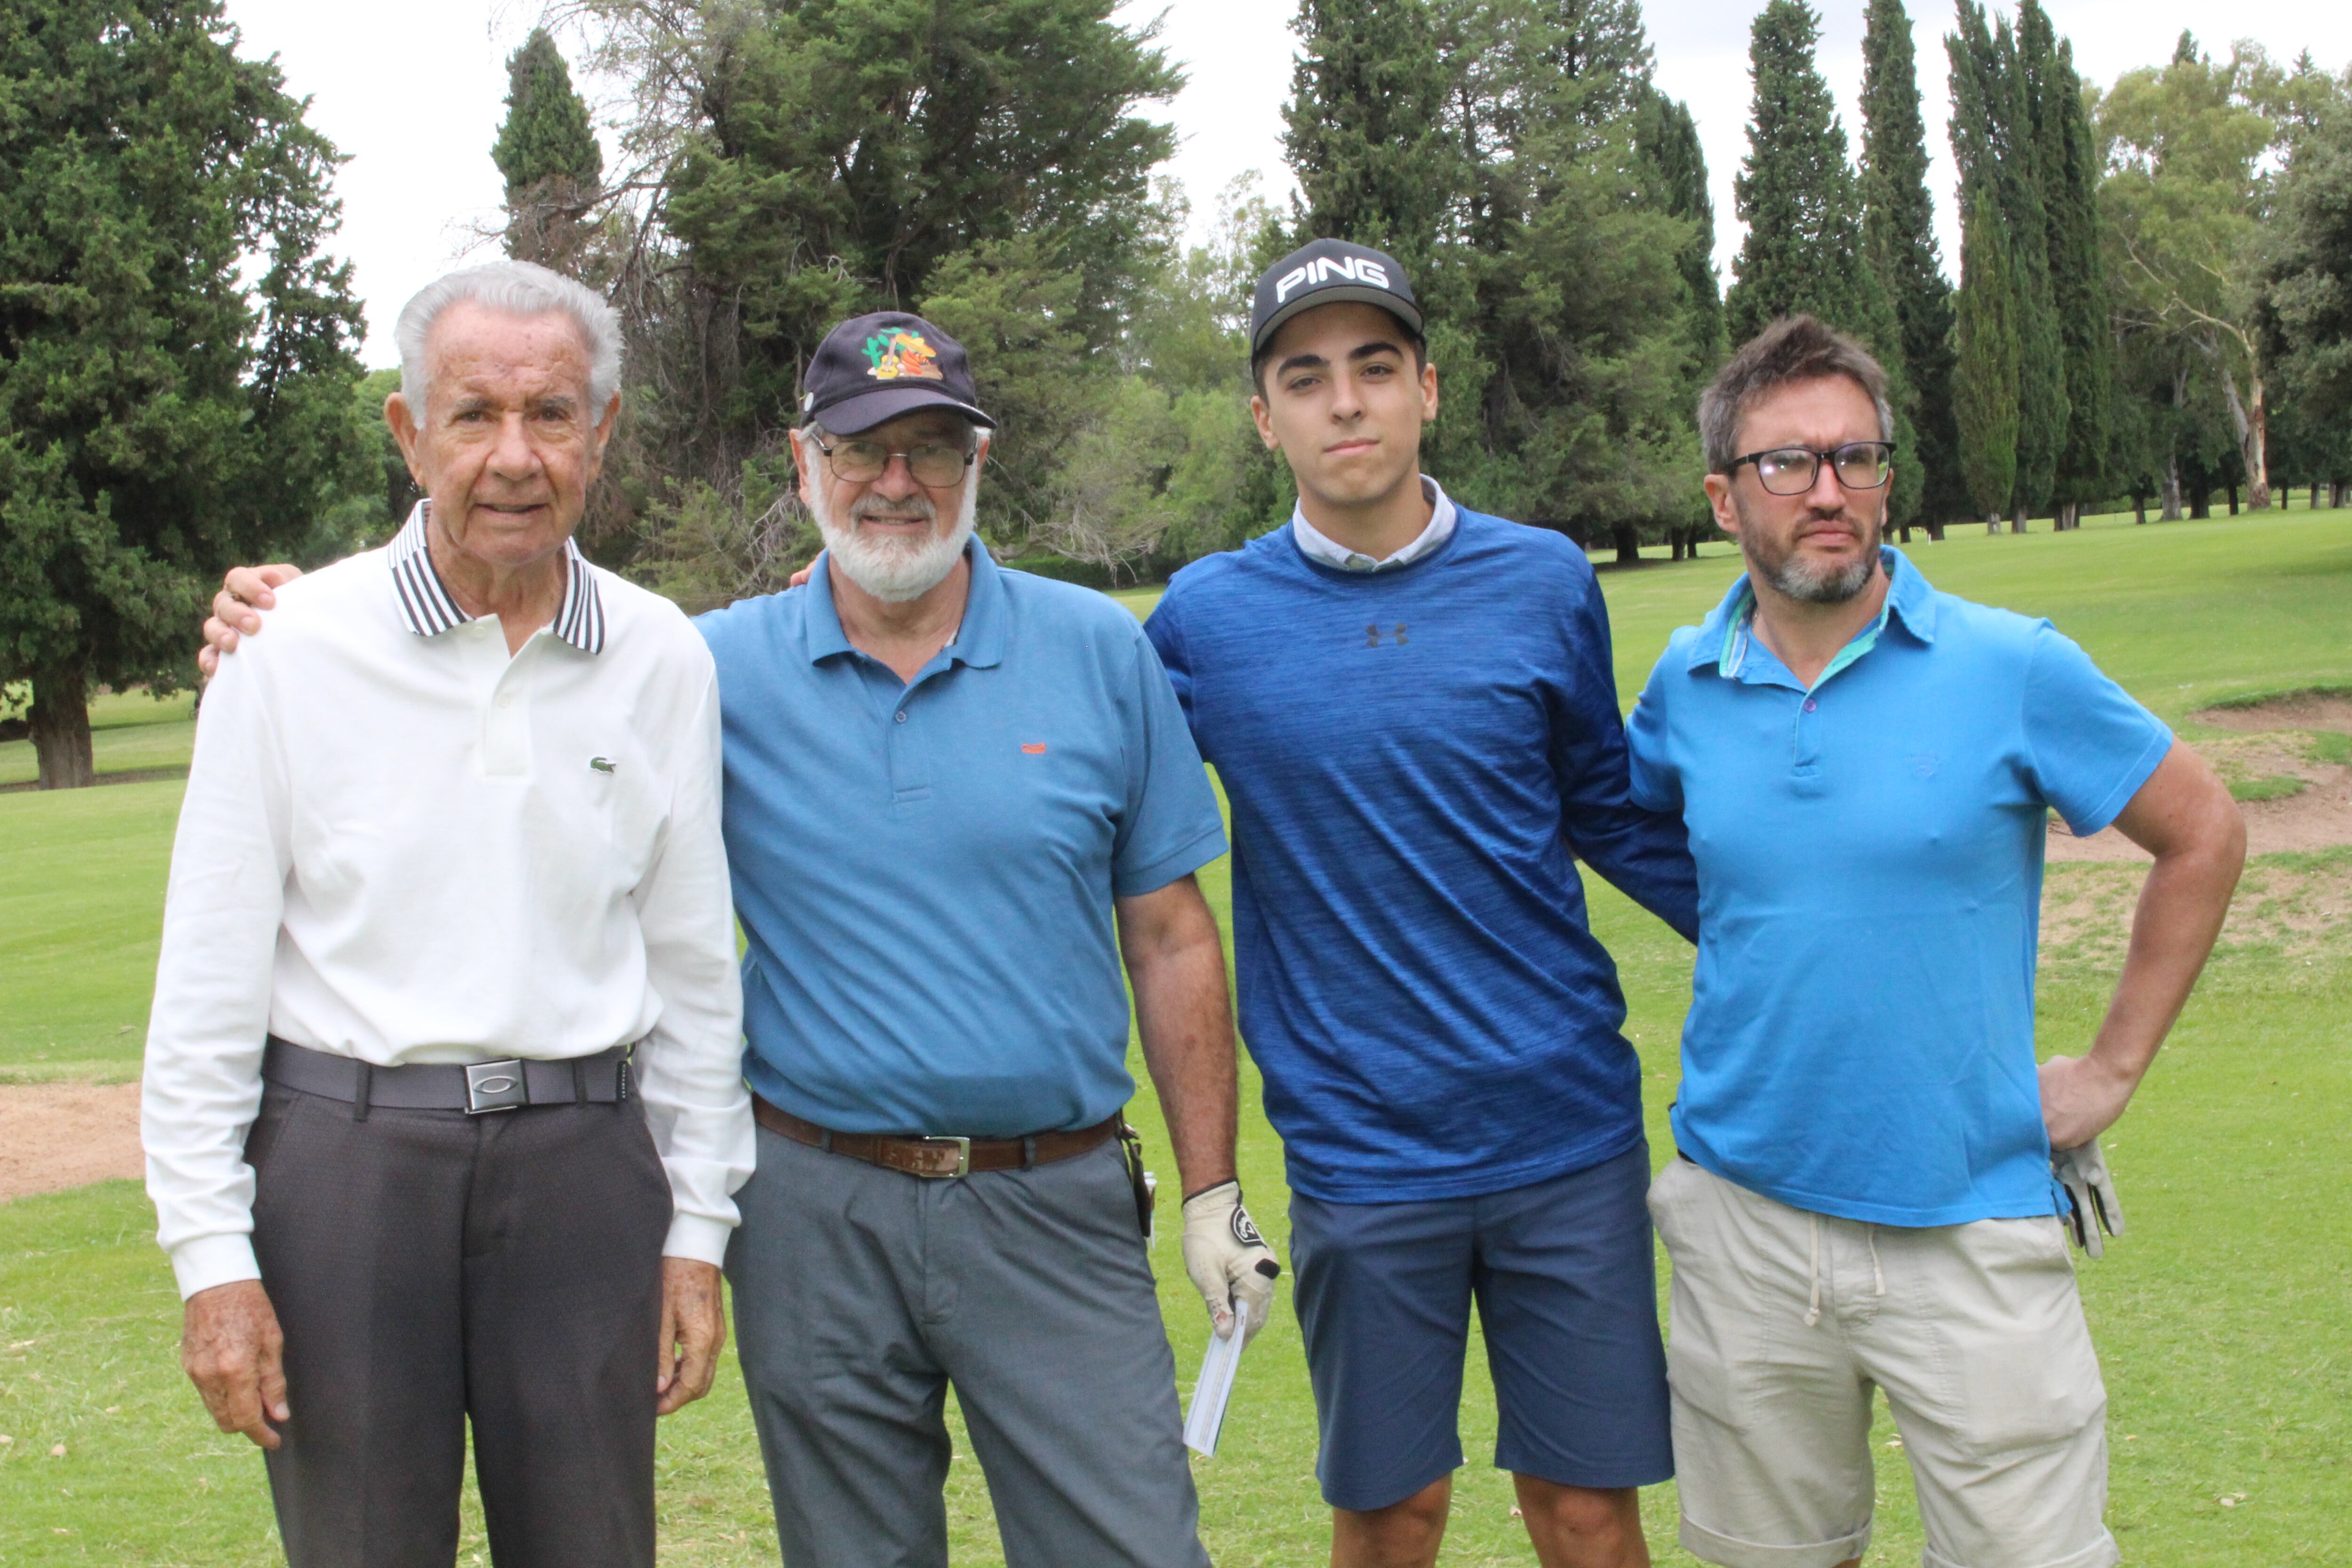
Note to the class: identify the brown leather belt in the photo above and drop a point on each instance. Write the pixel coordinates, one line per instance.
(937, 1157)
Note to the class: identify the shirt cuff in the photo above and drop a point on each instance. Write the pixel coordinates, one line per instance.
(702, 1239)
(201, 1262)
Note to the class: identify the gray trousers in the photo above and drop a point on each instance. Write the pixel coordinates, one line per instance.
(429, 1267)
(862, 1294)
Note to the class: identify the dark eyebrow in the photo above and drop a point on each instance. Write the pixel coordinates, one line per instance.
(1378, 346)
(1300, 362)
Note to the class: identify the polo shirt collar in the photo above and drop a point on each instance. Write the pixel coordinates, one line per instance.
(1723, 636)
(978, 641)
(427, 609)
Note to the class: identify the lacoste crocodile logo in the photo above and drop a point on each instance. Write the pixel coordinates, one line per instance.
(602, 764)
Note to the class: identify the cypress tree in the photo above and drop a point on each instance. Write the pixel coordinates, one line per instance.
(1899, 240)
(548, 154)
(1366, 127)
(2079, 284)
(1804, 245)
(1993, 138)
(1985, 373)
(1795, 190)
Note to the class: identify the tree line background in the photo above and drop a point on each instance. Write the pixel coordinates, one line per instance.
(2153, 302)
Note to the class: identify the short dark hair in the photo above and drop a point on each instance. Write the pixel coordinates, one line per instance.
(1793, 349)
(1413, 340)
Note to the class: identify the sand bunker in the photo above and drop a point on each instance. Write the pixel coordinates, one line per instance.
(58, 1135)
(2298, 710)
(2281, 740)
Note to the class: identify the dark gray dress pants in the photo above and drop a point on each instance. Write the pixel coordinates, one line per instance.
(430, 1267)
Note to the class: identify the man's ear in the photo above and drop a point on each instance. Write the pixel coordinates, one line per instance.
(1719, 501)
(1428, 392)
(804, 482)
(1264, 417)
(404, 423)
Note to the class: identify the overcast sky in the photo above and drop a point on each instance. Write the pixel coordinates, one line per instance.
(414, 95)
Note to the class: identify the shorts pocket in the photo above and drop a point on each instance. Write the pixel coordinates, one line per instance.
(2020, 1371)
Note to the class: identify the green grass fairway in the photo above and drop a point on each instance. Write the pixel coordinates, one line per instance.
(131, 732)
(2221, 1316)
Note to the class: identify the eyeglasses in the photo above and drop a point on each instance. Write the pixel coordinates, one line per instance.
(1791, 471)
(862, 462)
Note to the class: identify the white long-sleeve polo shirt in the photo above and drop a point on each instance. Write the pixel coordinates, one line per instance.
(400, 844)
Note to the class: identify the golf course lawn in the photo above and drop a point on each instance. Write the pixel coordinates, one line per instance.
(2224, 1317)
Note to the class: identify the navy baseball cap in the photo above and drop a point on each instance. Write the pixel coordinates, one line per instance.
(1324, 273)
(872, 369)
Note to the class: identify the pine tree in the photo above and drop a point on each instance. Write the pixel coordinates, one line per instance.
(549, 156)
(1668, 136)
(1366, 127)
(175, 351)
(1984, 343)
(1899, 240)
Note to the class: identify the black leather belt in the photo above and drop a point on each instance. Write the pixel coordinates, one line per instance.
(476, 1089)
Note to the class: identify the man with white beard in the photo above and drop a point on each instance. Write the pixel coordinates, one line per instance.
(955, 797)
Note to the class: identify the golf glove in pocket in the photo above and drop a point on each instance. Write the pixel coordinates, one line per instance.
(2083, 1172)
(1227, 1258)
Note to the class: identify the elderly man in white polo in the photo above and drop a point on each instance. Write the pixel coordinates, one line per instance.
(444, 1108)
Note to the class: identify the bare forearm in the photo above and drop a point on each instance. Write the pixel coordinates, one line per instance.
(2180, 912)
(1188, 1046)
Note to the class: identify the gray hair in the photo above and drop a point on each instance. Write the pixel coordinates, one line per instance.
(514, 289)
(1793, 349)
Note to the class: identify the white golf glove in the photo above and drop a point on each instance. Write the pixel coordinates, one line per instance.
(2083, 1172)
(1228, 1259)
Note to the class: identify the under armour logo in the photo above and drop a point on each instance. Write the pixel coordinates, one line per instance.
(1372, 636)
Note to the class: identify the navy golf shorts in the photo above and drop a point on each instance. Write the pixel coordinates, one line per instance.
(1562, 1274)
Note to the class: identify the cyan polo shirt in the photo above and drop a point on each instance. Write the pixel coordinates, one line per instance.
(925, 870)
(1859, 1041)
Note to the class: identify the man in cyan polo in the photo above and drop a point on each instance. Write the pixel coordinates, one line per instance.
(1864, 1197)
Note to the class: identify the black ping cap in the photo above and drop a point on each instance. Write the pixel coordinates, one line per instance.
(1326, 273)
(874, 368)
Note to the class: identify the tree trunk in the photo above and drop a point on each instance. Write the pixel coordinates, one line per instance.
(2248, 414)
(59, 720)
(2336, 489)
(2172, 488)
(1936, 532)
(2139, 506)
(1905, 530)
(2200, 503)
(2233, 498)
(1993, 525)
(2017, 519)
(1629, 544)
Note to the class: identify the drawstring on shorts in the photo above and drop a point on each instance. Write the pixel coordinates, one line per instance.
(1877, 1271)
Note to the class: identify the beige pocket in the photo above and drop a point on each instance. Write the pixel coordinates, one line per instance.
(2015, 1360)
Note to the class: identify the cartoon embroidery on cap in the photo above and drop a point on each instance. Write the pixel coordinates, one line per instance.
(898, 354)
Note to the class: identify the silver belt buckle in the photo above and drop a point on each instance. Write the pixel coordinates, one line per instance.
(964, 1157)
(495, 1086)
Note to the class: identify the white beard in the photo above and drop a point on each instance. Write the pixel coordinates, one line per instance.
(894, 570)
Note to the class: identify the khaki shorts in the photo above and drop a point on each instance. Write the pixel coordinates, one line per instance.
(1782, 1324)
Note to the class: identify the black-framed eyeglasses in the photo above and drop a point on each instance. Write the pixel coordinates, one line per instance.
(1791, 471)
(862, 462)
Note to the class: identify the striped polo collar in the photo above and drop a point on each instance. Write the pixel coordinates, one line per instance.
(427, 608)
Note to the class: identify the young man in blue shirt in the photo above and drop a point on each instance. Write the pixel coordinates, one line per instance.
(1414, 711)
(1865, 1197)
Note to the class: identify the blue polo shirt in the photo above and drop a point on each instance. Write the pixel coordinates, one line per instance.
(1860, 1041)
(925, 870)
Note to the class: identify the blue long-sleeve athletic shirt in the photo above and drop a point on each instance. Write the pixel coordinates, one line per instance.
(1411, 756)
